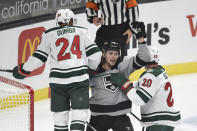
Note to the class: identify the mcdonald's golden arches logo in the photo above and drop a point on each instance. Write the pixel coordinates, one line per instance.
(27, 44)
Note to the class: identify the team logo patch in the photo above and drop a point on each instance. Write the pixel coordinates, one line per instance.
(108, 85)
(115, 1)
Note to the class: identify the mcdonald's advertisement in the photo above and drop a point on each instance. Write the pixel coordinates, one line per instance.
(27, 43)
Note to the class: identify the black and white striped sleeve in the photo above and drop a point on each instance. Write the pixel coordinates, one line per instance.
(133, 11)
(92, 7)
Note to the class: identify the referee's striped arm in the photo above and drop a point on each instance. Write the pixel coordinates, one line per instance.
(133, 11)
(113, 12)
(92, 8)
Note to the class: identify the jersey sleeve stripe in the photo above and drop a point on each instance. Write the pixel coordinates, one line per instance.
(145, 96)
(142, 96)
(40, 57)
(92, 50)
(90, 46)
(41, 52)
(145, 92)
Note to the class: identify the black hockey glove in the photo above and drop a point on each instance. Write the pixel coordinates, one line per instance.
(19, 72)
(138, 28)
(121, 82)
(90, 19)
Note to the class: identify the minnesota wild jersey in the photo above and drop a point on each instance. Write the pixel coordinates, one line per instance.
(71, 52)
(153, 92)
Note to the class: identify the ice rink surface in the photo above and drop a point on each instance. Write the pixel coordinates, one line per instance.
(184, 93)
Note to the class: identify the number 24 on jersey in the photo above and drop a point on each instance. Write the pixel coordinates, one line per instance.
(74, 50)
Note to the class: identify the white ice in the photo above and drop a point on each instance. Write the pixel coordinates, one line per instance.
(184, 92)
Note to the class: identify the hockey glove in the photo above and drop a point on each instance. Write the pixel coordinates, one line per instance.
(19, 72)
(138, 28)
(122, 82)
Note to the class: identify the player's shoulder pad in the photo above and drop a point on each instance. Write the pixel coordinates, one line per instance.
(57, 28)
(155, 71)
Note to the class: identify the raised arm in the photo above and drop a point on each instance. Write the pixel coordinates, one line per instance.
(132, 63)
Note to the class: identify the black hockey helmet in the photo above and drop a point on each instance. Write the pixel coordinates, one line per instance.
(111, 45)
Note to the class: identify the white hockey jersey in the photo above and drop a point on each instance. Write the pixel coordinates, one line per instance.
(71, 52)
(153, 92)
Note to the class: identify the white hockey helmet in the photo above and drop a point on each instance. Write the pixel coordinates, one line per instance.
(154, 54)
(64, 16)
(149, 54)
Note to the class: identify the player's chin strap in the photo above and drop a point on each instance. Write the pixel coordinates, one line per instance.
(89, 125)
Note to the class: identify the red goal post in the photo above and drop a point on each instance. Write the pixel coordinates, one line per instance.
(16, 106)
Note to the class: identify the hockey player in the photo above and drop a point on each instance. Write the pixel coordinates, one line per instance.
(153, 93)
(71, 52)
(108, 104)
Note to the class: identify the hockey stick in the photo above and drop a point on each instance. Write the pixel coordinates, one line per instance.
(136, 117)
(6, 70)
(88, 124)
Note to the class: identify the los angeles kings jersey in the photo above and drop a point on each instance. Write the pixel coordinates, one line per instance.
(108, 99)
(153, 92)
(71, 52)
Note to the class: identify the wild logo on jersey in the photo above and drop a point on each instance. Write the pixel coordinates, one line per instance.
(108, 85)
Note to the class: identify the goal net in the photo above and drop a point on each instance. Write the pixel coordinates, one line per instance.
(16, 106)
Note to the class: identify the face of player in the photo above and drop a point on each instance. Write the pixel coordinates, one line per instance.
(111, 57)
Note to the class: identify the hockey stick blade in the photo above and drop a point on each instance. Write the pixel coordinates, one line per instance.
(6, 70)
(135, 116)
(88, 124)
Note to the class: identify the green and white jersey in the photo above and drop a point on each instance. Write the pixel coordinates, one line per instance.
(71, 52)
(153, 92)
